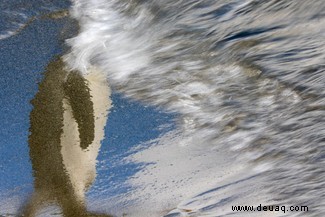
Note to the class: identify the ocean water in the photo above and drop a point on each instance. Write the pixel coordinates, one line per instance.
(16, 14)
(239, 87)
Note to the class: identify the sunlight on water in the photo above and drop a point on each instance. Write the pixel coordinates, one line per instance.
(245, 79)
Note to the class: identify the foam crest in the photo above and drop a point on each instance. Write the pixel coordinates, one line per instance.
(242, 75)
(108, 39)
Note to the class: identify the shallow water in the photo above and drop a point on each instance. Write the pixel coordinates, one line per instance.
(239, 88)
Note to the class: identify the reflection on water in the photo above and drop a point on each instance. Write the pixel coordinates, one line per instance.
(67, 126)
(246, 76)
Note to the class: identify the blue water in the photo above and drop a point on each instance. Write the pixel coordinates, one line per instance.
(17, 12)
(242, 76)
(23, 58)
(130, 123)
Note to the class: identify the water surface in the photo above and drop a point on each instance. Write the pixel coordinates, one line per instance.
(225, 102)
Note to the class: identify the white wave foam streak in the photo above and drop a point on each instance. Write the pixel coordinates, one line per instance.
(108, 39)
(182, 177)
(7, 34)
(10, 203)
(232, 80)
(152, 61)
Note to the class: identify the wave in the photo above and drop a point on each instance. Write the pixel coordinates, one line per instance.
(244, 76)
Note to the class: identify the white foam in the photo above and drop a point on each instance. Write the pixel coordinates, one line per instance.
(7, 34)
(231, 112)
(107, 35)
(183, 178)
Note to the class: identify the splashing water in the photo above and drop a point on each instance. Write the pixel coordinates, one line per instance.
(246, 77)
